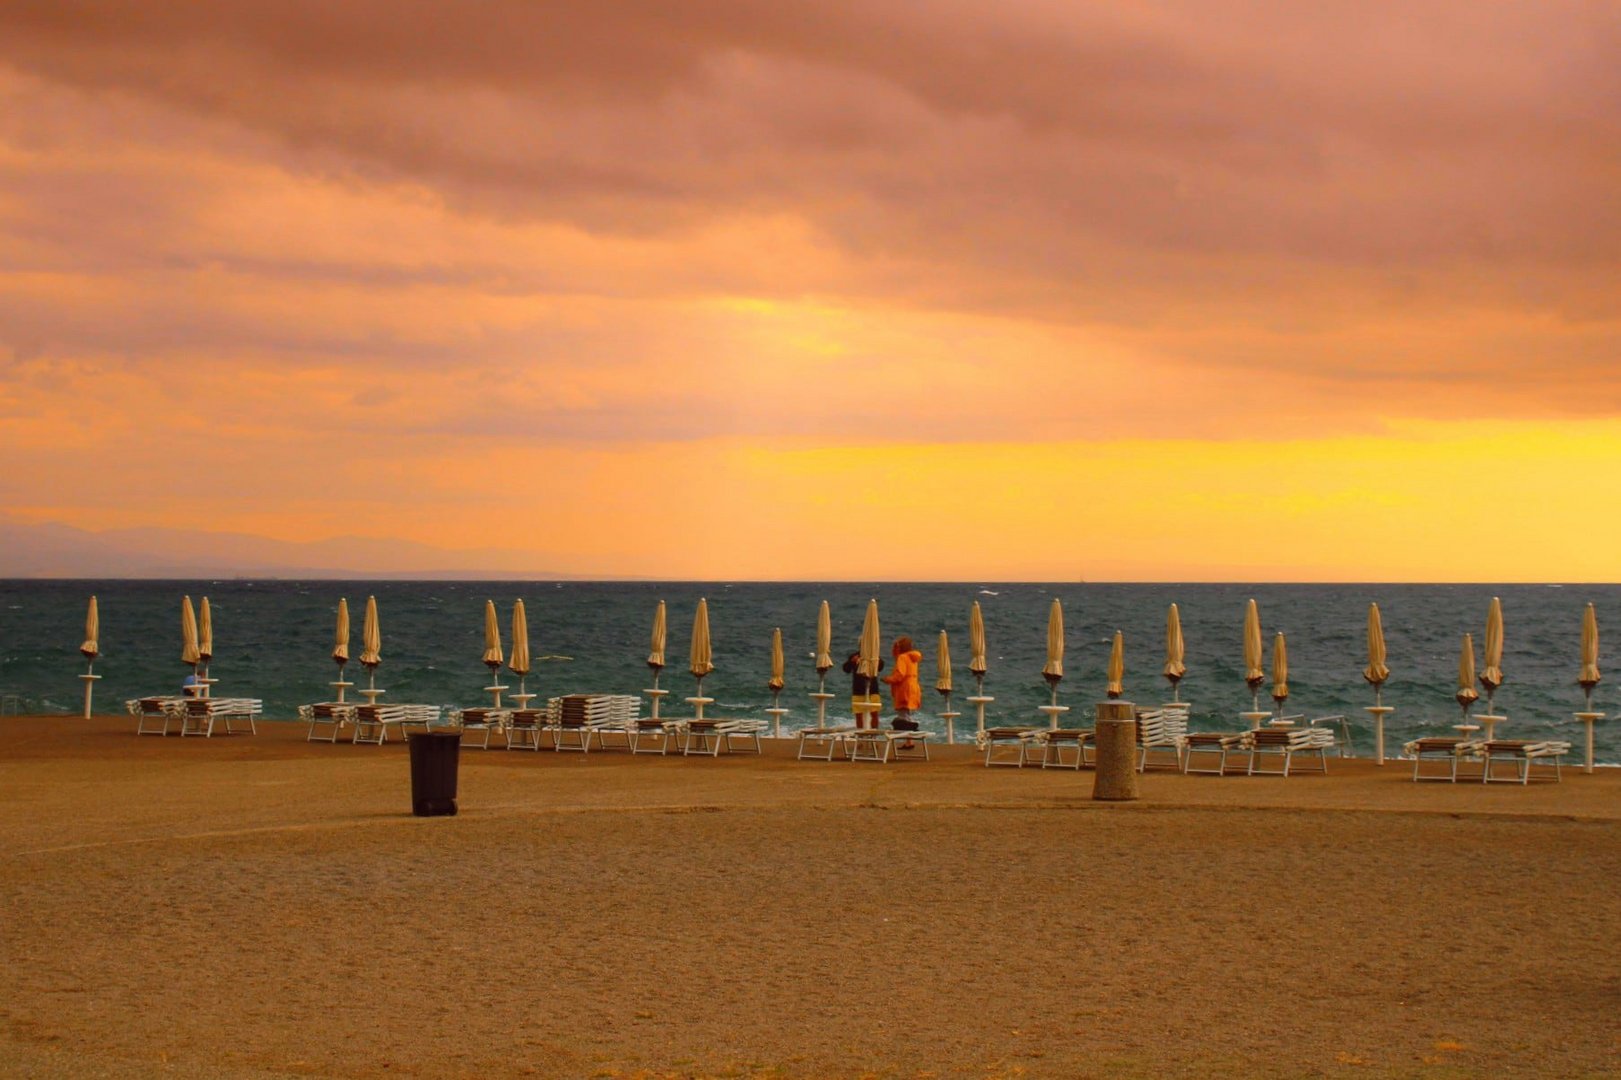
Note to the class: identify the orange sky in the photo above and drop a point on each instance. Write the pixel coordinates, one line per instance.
(914, 290)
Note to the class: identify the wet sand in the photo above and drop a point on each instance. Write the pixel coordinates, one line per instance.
(261, 906)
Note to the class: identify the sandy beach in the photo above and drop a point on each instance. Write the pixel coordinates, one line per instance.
(260, 906)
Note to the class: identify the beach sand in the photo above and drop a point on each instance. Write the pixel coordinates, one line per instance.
(260, 906)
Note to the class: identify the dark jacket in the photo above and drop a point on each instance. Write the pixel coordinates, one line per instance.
(861, 685)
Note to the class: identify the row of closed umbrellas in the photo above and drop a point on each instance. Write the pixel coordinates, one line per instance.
(197, 648)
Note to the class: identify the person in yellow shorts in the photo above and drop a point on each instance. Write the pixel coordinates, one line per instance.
(864, 700)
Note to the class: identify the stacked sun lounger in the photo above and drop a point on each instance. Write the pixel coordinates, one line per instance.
(1160, 730)
(1447, 748)
(153, 715)
(1285, 743)
(525, 728)
(327, 719)
(479, 723)
(578, 719)
(194, 716)
(372, 722)
(710, 735)
(1523, 754)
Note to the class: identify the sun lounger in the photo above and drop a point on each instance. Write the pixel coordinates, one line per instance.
(710, 737)
(821, 743)
(1062, 748)
(481, 723)
(1448, 748)
(1285, 743)
(1008, 746)
(1204, 743)
(650, 736)
(327, 719)
(882, 745)
(1158, 731)
(580, 719)
(525, 727)
(1522, 753)
(148, 711)
(199, 715)
(372, 722)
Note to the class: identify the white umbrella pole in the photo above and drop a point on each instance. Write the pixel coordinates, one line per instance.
(89, 678)
(821, 697)
(979, 701)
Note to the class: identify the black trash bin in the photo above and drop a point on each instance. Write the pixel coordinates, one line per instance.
(434, 757)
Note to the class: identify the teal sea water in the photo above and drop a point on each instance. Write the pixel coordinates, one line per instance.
(272, 639)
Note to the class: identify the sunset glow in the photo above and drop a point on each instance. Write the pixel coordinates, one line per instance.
(729, 290)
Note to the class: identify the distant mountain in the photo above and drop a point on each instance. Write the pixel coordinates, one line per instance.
(62, 551)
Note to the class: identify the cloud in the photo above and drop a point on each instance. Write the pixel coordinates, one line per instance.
(329, 248)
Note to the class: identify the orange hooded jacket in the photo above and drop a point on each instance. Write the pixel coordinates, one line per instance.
(903, 685)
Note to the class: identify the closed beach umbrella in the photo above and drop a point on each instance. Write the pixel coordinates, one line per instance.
(340, 640)
(371, 638)
(1117, 666)
(1491, 674)
(824, 640)
(1053, 669)
(976, 641)
(1376, 672)
(519, 661)
(655, 652)
(90, 648)
(188, 634)
(775, 683)
(1467, 695)
(942, 663)
(92, 633)
(700, 658)
(869, 658)
(1174, 666)
(1280, 671)
(1588, 678)
(493, 656)
(1253, 675)
(205, 633)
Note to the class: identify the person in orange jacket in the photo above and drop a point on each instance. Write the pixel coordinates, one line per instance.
(904, 689)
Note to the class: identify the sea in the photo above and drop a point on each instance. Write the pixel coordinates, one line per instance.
(272, 640)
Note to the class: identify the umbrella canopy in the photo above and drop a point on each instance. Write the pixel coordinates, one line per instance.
(1376, 672)
(976, 641)
(655, 653)
(1280, 670)
(1174, 667)
(1053, 670)
(1586, 680)
(1467, 694)
(519, 661)
(92, 632)
(492, 637)
(700, 658)
(1253, 675)
(340, 640)
(1117, 666)
(942, 663)
(205, 632)
(869, 657)
(824, 640)
(776, 683)
(371, 636)
(1491, 675)
(188, 634)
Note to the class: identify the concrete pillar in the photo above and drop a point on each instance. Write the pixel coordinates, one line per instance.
(1117, 752)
